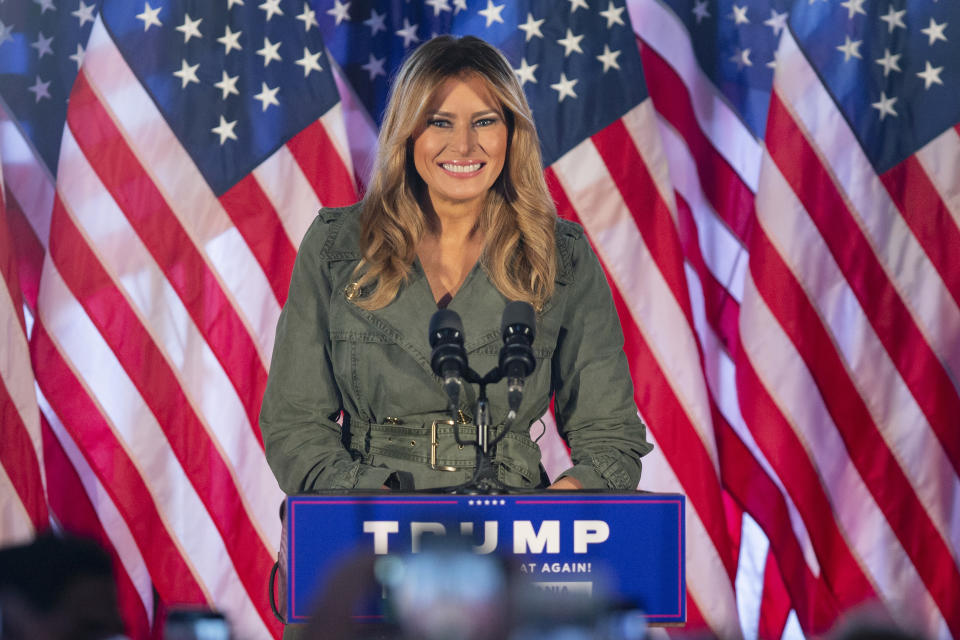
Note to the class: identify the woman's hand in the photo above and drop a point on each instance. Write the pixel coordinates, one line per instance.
(566, 483)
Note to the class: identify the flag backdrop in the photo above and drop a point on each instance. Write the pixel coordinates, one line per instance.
(773, 189)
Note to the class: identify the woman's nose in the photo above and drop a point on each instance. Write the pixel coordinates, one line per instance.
(464, 139)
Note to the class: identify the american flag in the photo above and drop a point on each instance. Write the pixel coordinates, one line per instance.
(776, 168)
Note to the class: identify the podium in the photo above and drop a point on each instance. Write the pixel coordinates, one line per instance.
(567, 542)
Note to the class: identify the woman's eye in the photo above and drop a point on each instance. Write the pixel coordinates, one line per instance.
(438, 122)
(485, 122)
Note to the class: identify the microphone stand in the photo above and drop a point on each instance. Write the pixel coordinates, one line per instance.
(484, 481)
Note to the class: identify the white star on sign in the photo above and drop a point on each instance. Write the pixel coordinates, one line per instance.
(190, 28)
(531, 27)
(576, 4)
(309, 62)
(570, 44)
(609, 59)
(309, 18)
(492, 13)
(272, 7)
(612, 14)
(267, 96)
(700, 10)
(894, 19)
(42, 45)
(40, 89)
(230, 40)
(408, 33)
(564, 88)
(84, 13)
(78, 56)
(931, 75)
(225, 130)
(889, 62)
(935, 31)
(227, 84)
(187, 73)
(438, 6)
(739, 15)
(850, 49)
(776, 21)
(149, 16)
(885, 105)
(853, 7)
(374, 67)
(525, 72)
(375, 22)
(340, 11)
(269, 52)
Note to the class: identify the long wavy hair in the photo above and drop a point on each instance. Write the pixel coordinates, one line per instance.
(518, 215)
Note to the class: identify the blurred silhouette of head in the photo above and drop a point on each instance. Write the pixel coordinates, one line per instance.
(57, 588)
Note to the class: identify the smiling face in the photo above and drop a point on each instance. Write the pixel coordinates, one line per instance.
(462, 147)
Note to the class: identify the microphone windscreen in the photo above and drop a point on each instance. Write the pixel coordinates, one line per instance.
(518, 312)
(444, 319)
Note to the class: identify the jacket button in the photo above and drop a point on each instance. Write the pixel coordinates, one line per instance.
(413, 443)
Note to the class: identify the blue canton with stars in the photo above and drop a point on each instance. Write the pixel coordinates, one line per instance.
(893, 67)
(42, 45)
(577, 59)
(234, 80)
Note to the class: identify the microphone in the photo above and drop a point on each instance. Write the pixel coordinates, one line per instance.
(516, 355)
(448, 358)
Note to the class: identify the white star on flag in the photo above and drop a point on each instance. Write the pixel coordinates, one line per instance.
(230, 40)
(564, 88)
(889, 62)
(850, 48)
(187, 73)
(930, 75)
(225, 130)
(853, 7)
(935, 31)
(309, 62)
(742, 58)
(525, 72)
(578, 4)
(267, 96)
(894, 19)
(269, 52)
(374, 67)
(700, 10)
(375, 22)
(531, 27)
(40, 89)
(190, 28)
(609, 59)
(42, 45)
(612, 14)
(777, 21)
(78, 56)
(885, 105)
(340, 11)
(84, 13)
(570, 44)
(272, 7)
(408, 33)
(492, 12)
(227, 84)
(308, 17)
(739, 15)
(149, 16)
(438, 6)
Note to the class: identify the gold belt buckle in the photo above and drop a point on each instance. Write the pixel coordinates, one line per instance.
(435, 444)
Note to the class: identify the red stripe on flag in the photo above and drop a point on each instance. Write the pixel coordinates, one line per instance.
(75, 513)
(657, 402)
(211, 477)
(730, 197)
(256, 220)
(173, 578)
(190, 276)
(28, 249)
(19, 459)
(918, 365)
(650, 213)
(721, 308)
(775, 604)
(317, 156)
(753, 489)
(877, 466)
(924, 212)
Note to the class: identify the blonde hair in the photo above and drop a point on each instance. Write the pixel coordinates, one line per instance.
(518, 216)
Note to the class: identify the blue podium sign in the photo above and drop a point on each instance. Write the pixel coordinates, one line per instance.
(631, 543)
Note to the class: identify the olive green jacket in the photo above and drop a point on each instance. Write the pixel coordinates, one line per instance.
(372, 368)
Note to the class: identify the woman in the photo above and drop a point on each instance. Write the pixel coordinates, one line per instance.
(457, 215)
